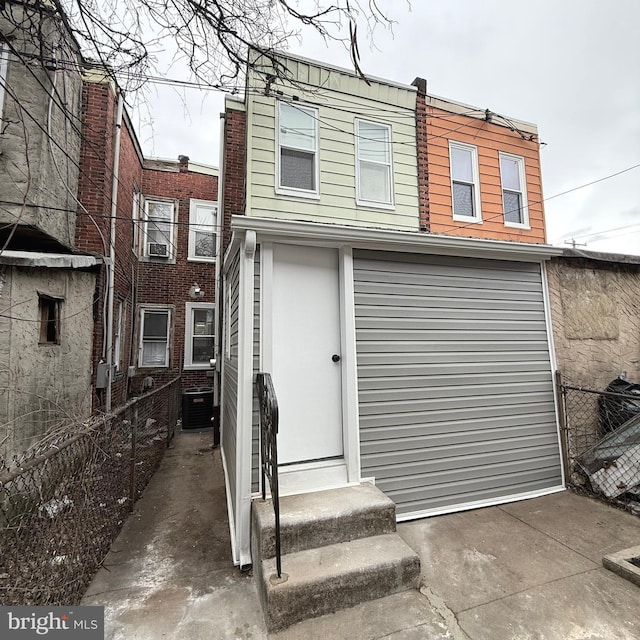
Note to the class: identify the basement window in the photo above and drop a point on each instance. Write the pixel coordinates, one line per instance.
(49, 309)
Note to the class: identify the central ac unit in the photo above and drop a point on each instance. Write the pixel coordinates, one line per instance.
(158, 250)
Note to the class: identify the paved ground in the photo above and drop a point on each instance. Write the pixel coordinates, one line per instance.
(529, 570)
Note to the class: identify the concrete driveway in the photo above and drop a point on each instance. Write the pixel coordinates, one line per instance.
(528, 570)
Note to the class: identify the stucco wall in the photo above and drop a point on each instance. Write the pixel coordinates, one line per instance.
(43, 384)
(39, 149)
(595, 310)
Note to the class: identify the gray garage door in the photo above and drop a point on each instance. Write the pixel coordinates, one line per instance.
(455, 383)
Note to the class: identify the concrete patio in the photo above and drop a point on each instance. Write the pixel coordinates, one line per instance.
(527, 570)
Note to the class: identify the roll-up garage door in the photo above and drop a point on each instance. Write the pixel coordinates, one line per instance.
(455, 386)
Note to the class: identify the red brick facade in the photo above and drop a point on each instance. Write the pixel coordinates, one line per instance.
(234, 170)
(138, 281)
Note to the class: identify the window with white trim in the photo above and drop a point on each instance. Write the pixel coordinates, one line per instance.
(465, 182)
(155, 330)
(202, 230)
(373, 161)
(514, 193)
(159, 223)
(199, 335)
(297, 150)
(4, 59)
(118, 343)
(136, 218)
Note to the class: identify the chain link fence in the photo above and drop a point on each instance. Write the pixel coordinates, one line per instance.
(63, 502)
(601, 440)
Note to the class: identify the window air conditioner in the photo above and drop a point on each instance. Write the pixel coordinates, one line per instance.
(158, 250)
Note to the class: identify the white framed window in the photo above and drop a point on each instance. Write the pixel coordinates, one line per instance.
(155, 331)
(465, 182)
(514, 192)
(202, 230)
(4, 59)
(199, 335)
(374, 182)
(117, 339)
(159, 228)
(298, 172)
(136, 218)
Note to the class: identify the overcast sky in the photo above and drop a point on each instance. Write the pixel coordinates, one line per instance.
(570, 66)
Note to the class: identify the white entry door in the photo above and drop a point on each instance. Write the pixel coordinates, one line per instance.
(306, 355)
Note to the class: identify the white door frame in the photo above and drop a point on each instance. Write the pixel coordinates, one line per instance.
(350, 435)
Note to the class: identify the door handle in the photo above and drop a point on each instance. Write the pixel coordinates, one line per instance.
(335, 357)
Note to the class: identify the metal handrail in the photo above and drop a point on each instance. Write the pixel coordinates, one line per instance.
(269, 451)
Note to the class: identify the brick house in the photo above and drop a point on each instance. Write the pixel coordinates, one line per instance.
(386, 265)
(163, 214)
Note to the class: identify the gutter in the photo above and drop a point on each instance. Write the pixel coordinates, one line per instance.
(111, 264)
(388, 240)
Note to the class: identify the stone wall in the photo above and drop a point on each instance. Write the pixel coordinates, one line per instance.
(43, 385)
(40, 133)
(595, 311)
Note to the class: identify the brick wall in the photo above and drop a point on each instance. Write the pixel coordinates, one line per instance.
(422, 153)
(136, 282)
(168, 283)
(235, 135)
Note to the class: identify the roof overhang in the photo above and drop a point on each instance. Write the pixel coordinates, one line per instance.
(294, 232)
(48, 260)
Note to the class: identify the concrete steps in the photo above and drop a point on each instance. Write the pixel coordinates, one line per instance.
(339, 548)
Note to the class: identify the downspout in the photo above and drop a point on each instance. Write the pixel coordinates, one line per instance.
(112, 250)
(218, 298)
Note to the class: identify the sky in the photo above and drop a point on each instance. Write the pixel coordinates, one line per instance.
(569, 66)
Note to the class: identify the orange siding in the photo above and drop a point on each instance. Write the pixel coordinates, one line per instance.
(489, 139)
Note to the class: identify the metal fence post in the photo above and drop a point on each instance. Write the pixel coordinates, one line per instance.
(562, 417)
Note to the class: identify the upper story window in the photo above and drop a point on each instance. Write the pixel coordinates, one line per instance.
(373, 160)
(199, 335)
(4, 58)
(465, 182)
(297, 150)
(155, 324)
(202, 230)
(514, 193)
(159, 223)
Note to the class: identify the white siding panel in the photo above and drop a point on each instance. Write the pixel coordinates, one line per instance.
(455, 385)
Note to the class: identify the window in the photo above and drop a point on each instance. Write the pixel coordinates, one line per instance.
(199, 335)
(373, 153)
(118, 342)
(514, 196)
(159, 222)
(155, 324)
(49, 310)
(465, 184)
(202, 230)
(4, 58)
(297, 150)
(135, 217)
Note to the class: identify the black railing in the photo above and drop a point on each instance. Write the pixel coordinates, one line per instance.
(269, 451)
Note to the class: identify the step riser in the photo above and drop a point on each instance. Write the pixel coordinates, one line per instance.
(309, 535)
(339, 548)
(284, 607)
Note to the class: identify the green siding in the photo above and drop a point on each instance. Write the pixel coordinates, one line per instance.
(340, 98)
